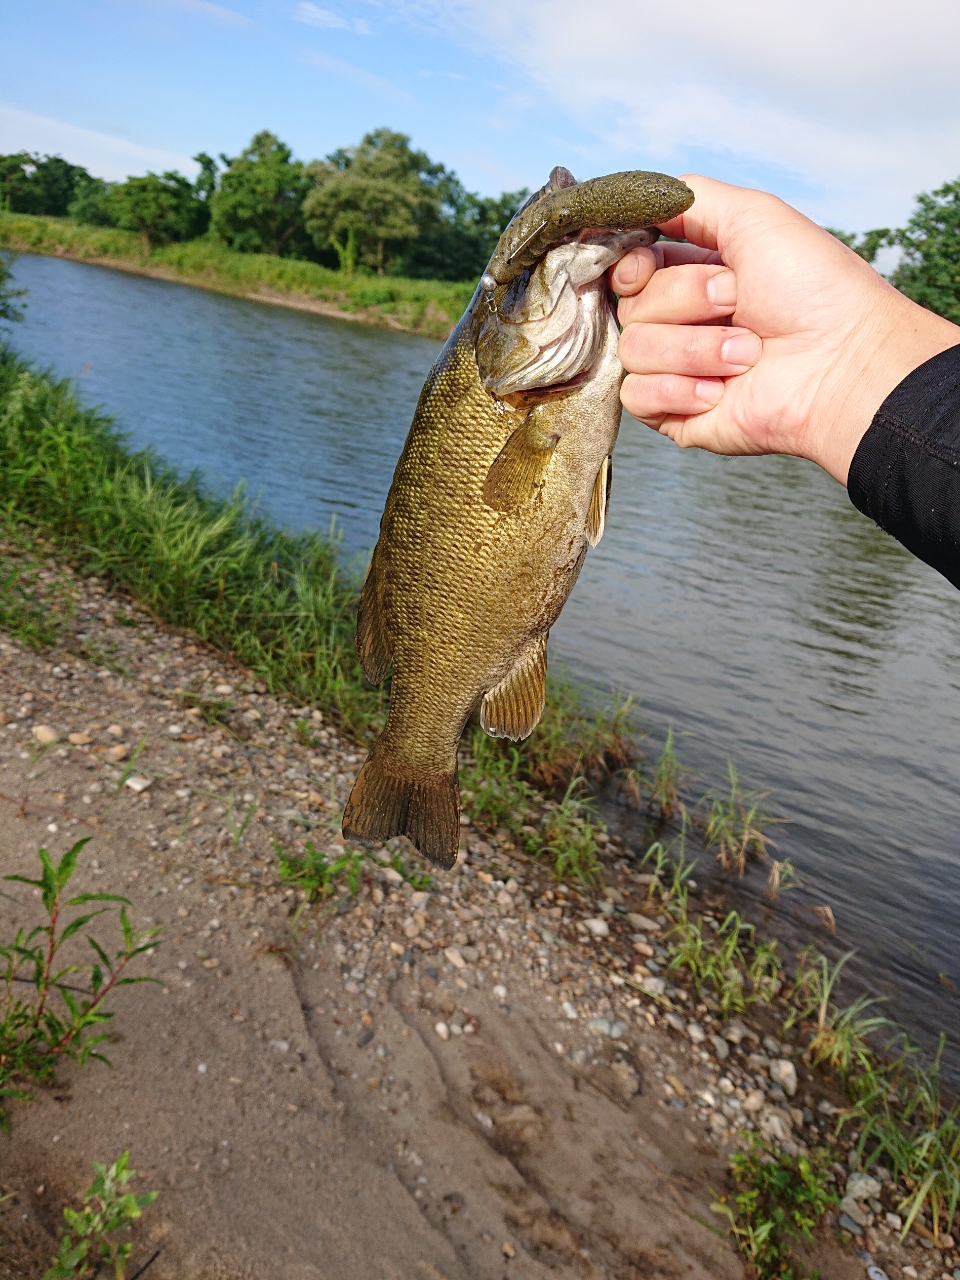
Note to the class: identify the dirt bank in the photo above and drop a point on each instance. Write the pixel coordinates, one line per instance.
(401, 1083)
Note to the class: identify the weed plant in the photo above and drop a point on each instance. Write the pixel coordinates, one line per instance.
(668, 778)
(315, 873)
(839, 1035)
(907, 1126)
(571, 741)
(108, 1209)
(568, 838)
(736, 825)
(730, 964)
(779, 1198)
(26, 612)
(52, 1023)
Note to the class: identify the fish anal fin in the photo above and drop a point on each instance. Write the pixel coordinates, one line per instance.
(599, 502)
(513, 707)
(374, 646)
(390, 798)
(519, 468)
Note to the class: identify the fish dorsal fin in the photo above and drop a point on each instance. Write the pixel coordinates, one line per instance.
(513, 707)
(599, 502)
(374, 646)
(519, 468)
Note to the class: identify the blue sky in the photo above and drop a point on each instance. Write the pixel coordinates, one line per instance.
(845, 109)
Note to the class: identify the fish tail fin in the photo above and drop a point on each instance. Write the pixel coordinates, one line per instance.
(392, 799)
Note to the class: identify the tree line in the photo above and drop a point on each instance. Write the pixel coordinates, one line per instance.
(380, 206)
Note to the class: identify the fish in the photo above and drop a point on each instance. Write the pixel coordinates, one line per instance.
(503, 483)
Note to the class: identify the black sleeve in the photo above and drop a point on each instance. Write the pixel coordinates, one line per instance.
(905, 474)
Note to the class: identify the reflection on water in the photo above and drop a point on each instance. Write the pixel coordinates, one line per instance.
(743, 599)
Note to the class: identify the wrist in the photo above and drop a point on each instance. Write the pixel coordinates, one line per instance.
(897, 338)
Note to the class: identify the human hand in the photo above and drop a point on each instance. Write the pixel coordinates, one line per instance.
(763, 334)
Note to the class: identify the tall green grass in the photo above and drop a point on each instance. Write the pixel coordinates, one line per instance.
(278, 601)
(428, 307)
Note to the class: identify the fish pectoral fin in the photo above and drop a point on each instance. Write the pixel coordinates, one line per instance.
(513, 708)
(374, 646)
(599, 503)
(519, 468)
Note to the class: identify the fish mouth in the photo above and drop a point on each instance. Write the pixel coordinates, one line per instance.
(543, 312)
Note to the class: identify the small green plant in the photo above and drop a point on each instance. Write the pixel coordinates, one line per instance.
(735, 825)
(238, 829)
(130, 765)
(728, 962)
(668, 777)
(671, 873)
(840, 1035)
(493, 793)
(108, 1209)
(212, 710)
(316, 873)
(35, 1035)
(421, 881)
(782, 877)
(569, 740)
(778, 1198)
(33, 620)
(907, 1126)
(568, 837)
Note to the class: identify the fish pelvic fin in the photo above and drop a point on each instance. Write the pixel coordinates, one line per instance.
(519, 468)
(513, 708)
(374, 646)
(599, 503)
(392, 799)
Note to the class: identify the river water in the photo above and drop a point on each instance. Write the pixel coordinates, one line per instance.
(744, 600)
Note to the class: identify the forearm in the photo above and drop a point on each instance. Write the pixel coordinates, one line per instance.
(905, 473)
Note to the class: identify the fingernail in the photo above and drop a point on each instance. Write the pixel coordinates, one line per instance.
(709, 391)
(722, 289)
(628, 269)
(742, 349)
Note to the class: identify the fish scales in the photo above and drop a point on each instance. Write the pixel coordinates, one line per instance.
(501, 487)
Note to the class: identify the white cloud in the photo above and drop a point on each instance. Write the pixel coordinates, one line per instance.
(858, 101)
(103, 154)
(326, 19)
(365, 80)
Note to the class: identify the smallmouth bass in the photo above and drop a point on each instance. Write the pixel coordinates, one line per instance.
(503, 482)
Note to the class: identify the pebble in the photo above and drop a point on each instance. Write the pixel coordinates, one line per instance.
(500, 993)
(45, 735)
(117, 753)
(642, 923)
(442, 1030)
(734, 1032)
(508, 1250)
(568, 1010)
(775, 1125)
(654, 986)
(174, 730)
(79, 739)
(597, 927)
(848, 1224)
(850, 1207)
(600, 1025)
(862, 1187)
(674, 1020)
(224, 689)
(784, 1073)
(895, 1222)
(281, 1046)
(455, 958)
(754, 1101)
(720, 1047)
(115, 730)
(138, 783)
(696, 1032)
(504, 900)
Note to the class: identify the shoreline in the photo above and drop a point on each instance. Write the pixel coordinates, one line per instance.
(420, 308)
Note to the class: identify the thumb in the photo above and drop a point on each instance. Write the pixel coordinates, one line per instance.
(717, 207)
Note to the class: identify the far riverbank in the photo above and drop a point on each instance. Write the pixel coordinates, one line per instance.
(427, 307)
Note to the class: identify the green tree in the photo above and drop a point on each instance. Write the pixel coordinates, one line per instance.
(457, 242)
(92, 203)
(162, 208)
(40, 185)
(257, 207)
(929, 272)
(8, 307)
(369, 201)
(867, 245)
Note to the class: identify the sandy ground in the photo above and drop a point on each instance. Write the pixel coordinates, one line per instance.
(451, 1084)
